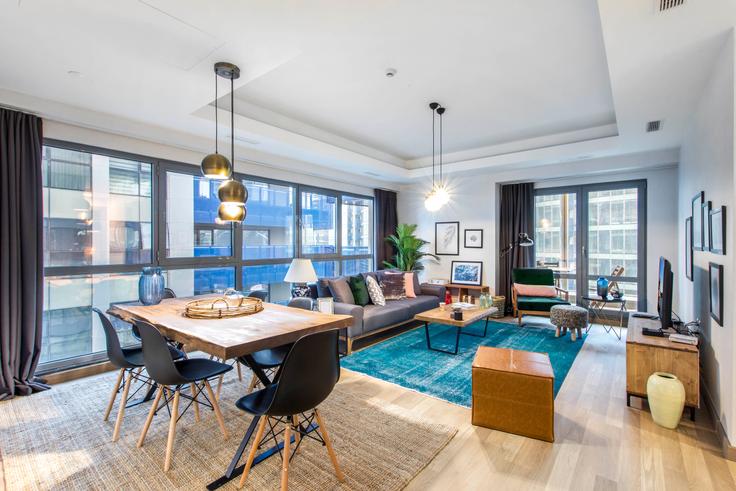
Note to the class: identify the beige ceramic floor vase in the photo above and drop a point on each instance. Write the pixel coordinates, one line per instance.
(666, 396)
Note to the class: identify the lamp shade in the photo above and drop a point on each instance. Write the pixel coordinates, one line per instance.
(300, 271)
(232, 191)
(525, 240)
(216, 166)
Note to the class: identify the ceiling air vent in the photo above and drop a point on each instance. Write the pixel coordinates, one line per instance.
(654, 126)
(662, 5)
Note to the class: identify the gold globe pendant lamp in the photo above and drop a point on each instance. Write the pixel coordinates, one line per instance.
(231, 212)
(216, 166)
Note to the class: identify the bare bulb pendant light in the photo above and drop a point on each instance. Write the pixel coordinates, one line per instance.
(216, 166)
(438, 195)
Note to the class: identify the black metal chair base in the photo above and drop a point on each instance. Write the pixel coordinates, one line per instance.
(457, 338)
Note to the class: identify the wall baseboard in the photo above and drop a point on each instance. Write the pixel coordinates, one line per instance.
(727, 450)
(77, 373)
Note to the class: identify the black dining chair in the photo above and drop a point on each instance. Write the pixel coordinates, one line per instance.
(171, 376)
(168, 293)
(269, 360)
(308, 375)
(129, 361)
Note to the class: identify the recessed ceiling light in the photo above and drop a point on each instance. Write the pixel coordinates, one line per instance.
(390, 72)
(74, 73)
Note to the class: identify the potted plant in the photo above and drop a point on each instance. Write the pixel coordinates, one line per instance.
(408, 249)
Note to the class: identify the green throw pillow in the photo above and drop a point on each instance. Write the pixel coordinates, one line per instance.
(359, 289)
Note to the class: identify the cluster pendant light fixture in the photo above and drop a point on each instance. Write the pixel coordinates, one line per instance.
(232, 192)
(438, 195)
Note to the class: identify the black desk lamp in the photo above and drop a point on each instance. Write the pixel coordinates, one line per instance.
(522, 241)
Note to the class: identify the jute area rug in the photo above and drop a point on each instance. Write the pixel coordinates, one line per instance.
(57, 440)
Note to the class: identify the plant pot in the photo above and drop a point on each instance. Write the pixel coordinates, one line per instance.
(666, 396)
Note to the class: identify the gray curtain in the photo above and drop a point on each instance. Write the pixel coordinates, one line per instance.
(386, 222)
(21, 260)
(516, 216)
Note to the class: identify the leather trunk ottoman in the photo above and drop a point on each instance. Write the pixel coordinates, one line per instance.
(513, 391)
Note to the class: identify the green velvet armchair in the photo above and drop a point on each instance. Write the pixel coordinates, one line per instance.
(535, 305)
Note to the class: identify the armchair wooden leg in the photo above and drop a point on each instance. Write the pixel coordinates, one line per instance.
(195, 402)
(172, 430)
(114, 394)
(253, 450)
(287, 455)
(216, 407)
(328, 444)
(350, 346)
(121, 408)
(151, 413)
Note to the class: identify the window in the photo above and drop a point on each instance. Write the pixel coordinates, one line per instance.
(88, 220)
(107, 214)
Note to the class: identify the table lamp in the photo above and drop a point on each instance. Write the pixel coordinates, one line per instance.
(300, 273)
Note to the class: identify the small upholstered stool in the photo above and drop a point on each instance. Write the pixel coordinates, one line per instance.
(513, 391)
(571, 317)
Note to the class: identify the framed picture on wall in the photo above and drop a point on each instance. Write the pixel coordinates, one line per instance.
(696, 209)
(447, 238)
(717, 227)
(467, 273)
(706, 225)
(474, 238)
(715, 275)
(689, 248)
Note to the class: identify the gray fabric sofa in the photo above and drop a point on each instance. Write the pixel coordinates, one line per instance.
(371, 319)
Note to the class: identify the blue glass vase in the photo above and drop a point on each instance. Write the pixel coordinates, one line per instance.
(151, 286)
(602, 287)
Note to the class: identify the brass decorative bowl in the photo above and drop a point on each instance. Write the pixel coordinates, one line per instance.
(222, 307)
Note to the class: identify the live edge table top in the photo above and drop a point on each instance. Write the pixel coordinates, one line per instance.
(438, 316)
(274, 326)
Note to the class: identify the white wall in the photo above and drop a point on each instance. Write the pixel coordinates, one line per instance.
(62, 131)
(707, 164)
(474, 205)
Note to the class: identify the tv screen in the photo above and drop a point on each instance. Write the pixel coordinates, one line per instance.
(664, 293)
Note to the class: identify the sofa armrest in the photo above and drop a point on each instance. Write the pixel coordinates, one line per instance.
(356, 311)
(436, 290)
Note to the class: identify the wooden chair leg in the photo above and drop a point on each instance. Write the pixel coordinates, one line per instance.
(195, 402)
(253, 450)
(219, 386)
(216, 407)
(328, 444)
(297, 434)
(121, 408)
(253, 382)
(172, 430)
(151, 413)
(114, 394)
(240, 375)
(285, 463)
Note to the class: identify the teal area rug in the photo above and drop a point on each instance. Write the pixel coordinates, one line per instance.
(406, 361)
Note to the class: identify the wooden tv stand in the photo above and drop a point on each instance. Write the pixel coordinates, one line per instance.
(648, 354)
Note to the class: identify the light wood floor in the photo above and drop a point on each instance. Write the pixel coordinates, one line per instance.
(599, 444)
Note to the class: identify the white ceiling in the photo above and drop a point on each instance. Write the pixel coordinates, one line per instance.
(525, 83)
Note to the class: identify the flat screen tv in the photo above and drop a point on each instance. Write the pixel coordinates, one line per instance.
(664, 293)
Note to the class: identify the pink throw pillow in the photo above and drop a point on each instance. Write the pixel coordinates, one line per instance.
(535, 290)
(409, 285)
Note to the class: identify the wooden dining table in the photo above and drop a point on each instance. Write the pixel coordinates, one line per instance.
(232, 337)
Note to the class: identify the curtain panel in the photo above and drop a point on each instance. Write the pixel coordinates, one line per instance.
(386, 222)
(21, 261)
(516, 216)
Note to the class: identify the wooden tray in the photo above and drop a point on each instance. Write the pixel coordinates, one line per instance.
(222, 307)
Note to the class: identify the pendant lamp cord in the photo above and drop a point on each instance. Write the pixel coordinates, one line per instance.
(440, 148)
(434, 132)
(216, 125)
(232, 123)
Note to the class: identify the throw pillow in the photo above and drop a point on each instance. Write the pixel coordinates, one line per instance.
(535, 290)
(341, 291)
(360, 290)
(323, 288)
(409, 285)
(393, 286)
(374, 291)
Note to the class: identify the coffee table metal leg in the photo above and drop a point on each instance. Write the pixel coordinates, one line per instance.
(429, 344)
(485, 331)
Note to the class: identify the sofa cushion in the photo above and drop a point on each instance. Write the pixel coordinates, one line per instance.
(535, 290)
(359, 290)
(416, 305)
(341, 290)
(377, 317)
(323, 288)
(374, 291)
(409, 285)
(539, 304)
(393, 286)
